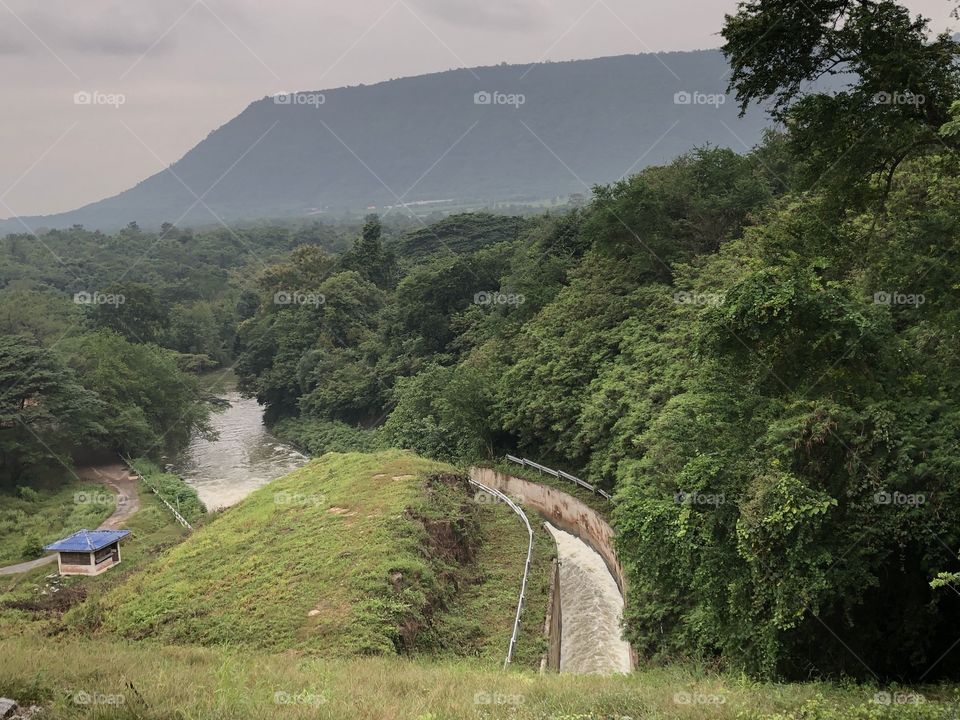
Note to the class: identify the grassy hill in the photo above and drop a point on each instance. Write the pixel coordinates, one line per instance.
(350, 555)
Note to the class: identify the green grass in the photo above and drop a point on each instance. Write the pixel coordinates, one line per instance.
(351, 554)
(32, 518)
(163, 683)
(28, 601)
(173, 489)
(484, 612)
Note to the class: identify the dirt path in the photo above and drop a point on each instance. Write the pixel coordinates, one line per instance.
(117, 478)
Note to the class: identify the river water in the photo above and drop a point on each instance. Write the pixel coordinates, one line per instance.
(591, 609)
(244, 458)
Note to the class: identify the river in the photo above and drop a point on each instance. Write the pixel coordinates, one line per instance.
(592, 608)
(243, 458)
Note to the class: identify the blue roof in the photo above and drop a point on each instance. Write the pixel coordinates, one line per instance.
(87, 541)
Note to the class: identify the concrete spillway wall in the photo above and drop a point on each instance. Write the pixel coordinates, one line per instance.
(563, 511)
(553, 625)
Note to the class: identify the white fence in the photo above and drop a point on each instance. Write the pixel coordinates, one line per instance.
(559, 474)
(176, 514)
(526, 570)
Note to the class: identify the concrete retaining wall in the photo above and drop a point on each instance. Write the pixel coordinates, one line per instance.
(563, 511)
(553, 626)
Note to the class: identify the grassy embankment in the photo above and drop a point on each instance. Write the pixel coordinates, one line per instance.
(172, 489)
(350, 555)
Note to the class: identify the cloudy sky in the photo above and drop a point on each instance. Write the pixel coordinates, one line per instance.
(185, 67)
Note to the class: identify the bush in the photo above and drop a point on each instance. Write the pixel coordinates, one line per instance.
(317, 437)
(172, 489)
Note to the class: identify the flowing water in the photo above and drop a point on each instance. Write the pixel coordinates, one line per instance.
(591, 609)
(243, 458)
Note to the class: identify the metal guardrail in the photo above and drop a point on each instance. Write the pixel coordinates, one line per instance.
(560, 474)
(176, 514)
(526, 570)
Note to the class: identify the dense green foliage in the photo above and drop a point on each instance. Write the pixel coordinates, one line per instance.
(173, 489)
(757, 353)
(113, 370)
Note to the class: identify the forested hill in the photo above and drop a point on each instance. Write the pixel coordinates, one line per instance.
(425, 138)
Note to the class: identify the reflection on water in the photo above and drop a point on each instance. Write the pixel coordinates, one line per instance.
(244, 457)
(591, 606)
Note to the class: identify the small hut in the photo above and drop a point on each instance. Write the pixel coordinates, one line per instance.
(88, 552)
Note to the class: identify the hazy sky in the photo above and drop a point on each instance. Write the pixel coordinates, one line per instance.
(185, 67)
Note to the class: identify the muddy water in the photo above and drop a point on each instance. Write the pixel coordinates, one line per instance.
(592, 607)
(244, 457)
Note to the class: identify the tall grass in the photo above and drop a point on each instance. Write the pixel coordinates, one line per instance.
(155, 682)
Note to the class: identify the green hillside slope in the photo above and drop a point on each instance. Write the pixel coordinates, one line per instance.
(351, 554)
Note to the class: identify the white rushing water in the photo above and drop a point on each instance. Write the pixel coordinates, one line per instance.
(245, 456)
(591, 607)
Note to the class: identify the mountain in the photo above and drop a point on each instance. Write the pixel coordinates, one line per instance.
(501, 133)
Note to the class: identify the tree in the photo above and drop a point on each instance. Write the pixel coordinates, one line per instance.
(897, 84)
(130, 309)
(149, 404)
(44, 411)
(368, 256)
